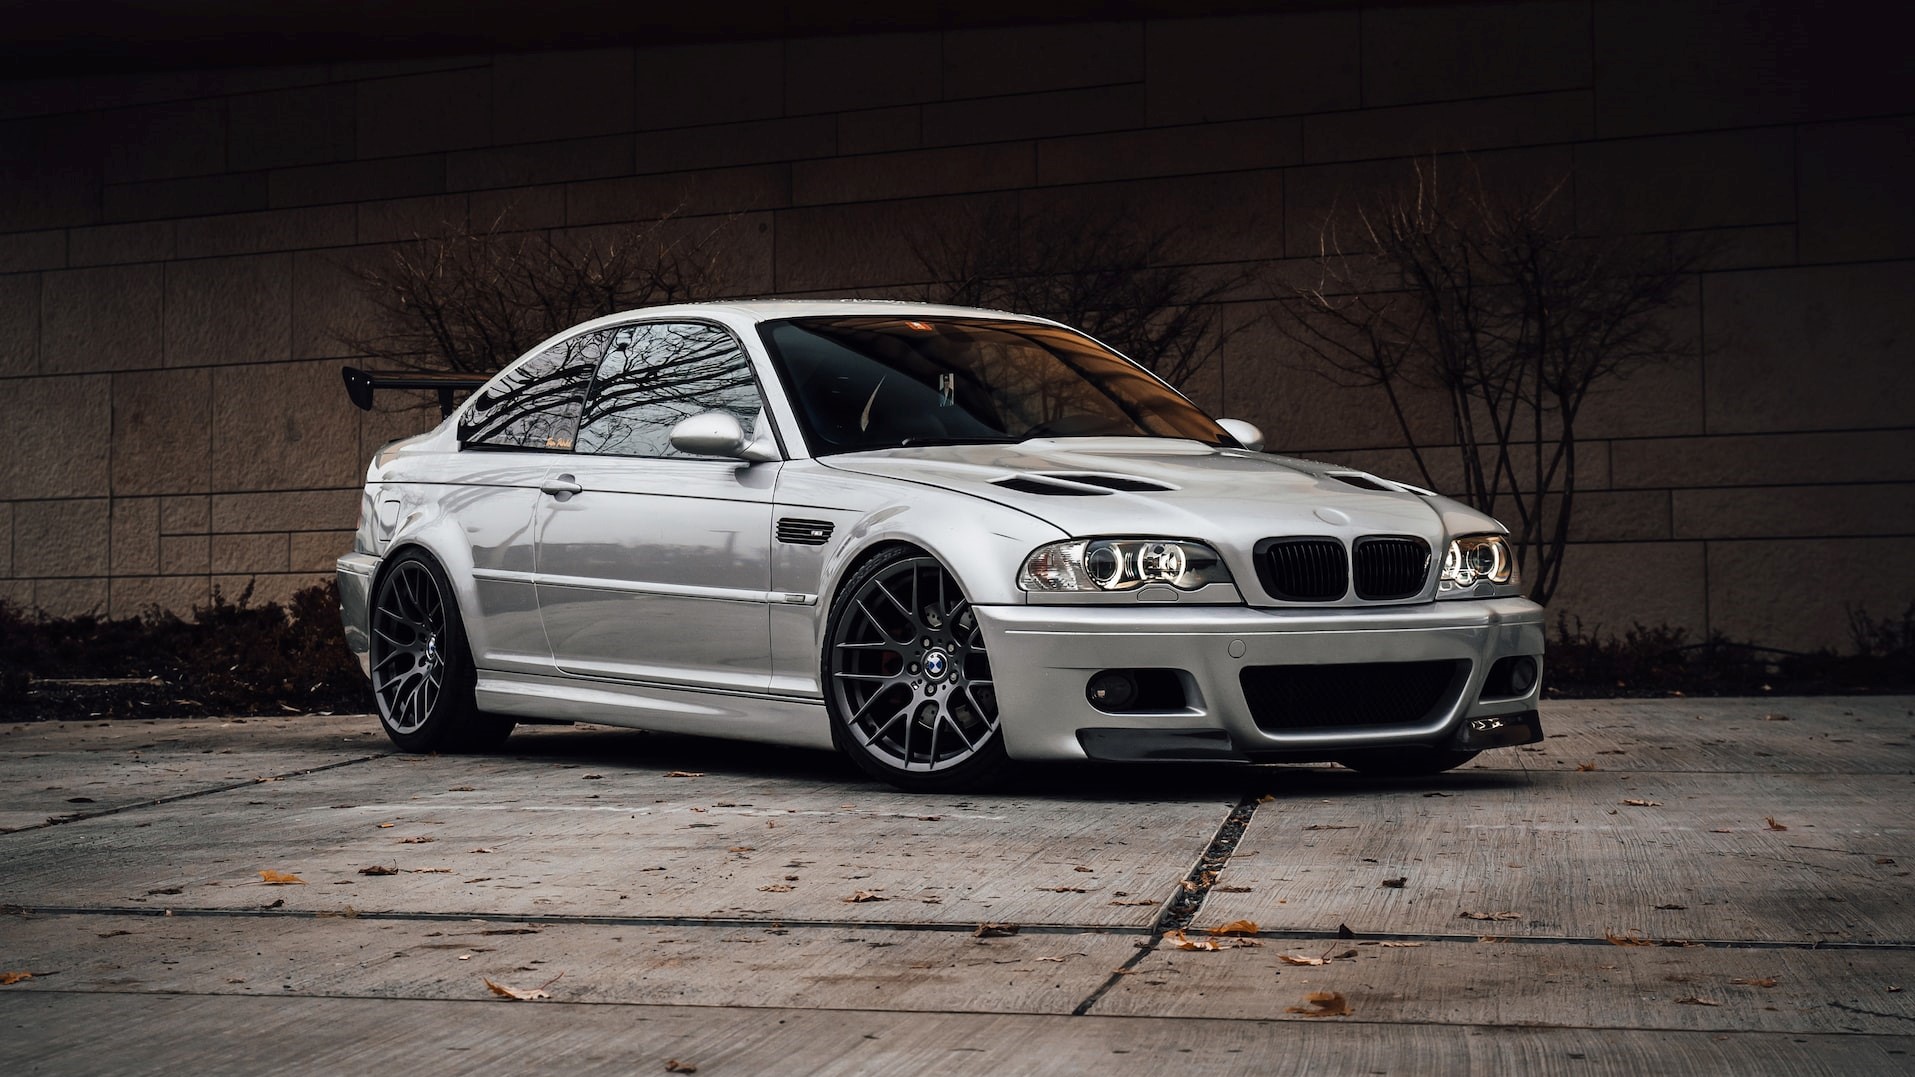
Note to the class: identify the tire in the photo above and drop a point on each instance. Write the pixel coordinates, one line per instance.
(1406, 762)
(422, 673)
(907, 683)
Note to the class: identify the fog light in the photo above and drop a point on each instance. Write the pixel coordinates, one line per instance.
(1511, 678)
(1111, 690)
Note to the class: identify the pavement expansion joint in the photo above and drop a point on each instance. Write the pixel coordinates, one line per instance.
(121, 809)
(562, 919)
(1183, 907)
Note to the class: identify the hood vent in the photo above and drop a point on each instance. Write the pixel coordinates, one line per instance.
(804, 532)
(1119, 482)
(1031, 484)
(1362, 482)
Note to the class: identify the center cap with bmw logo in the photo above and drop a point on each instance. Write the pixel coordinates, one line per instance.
(936, 663)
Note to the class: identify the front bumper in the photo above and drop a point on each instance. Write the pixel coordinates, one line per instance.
(1042, 659)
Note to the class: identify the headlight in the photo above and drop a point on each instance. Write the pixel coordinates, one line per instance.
(1121, 565)
(1475, 559)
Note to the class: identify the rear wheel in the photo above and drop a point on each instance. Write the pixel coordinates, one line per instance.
(422, 673)
(907, 680)
(1406, 762)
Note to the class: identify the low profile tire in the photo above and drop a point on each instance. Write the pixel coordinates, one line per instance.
(1406, 762)
(422, 674)
(907, 682)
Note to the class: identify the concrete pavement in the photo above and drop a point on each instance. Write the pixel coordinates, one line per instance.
(1666, 886)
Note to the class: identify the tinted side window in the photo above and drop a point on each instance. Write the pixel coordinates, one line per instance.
(537, 404)
(653, 376)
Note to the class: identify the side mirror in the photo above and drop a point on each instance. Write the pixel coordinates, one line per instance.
(1247, 434)
(718, 433)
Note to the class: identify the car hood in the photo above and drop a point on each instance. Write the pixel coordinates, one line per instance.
(1174, 489)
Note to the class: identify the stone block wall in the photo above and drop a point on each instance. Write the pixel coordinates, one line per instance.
(173, 293)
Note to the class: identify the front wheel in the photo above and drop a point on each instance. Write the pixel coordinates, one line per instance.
(907, 680)
(1405, 762)
(422, 673)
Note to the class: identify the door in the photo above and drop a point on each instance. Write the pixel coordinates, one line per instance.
(653, 565)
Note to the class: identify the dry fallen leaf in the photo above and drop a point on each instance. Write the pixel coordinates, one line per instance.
(1267, 798)
(1298, 959)
(8, 979)
(1643, 803)
(777, 888)
(1064, 889)
(417, 839)
(864, 895)
(1323, 1004)
(1754, 981)
(1183, 942)
(1138, 901)
(387, 826)
(741, 849)
(1773, 825)
(1081, 867)
(503, 991)
(1398, 945)
(1630, 939)
(1587, 767)
(280, 878)
(994, 931)
(684, 774)
(1231, 889)
(1489, 916)
(1397, 883)
(1695, 1000)
(378, 869)
(1235, 927)
(673, 1065)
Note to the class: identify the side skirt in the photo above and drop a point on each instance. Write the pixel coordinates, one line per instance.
(770, 719)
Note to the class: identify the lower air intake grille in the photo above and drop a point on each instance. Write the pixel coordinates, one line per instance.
(1303, 569)
(1391, 567)
(1362, 694)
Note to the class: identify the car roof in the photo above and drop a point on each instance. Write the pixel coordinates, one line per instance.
(760, 310)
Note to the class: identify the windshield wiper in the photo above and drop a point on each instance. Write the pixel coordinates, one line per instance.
(958, 439)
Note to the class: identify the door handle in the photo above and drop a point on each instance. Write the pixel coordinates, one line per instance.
(561, 487)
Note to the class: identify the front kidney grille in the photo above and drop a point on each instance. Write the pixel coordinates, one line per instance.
(1303, 569)
(1360, 694)
(1391, 567)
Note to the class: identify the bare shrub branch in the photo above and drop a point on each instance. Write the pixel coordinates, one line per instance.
(475, 299)
(1099, 271)
(1491, 300)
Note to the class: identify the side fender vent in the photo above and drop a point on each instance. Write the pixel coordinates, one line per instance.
(804, 532)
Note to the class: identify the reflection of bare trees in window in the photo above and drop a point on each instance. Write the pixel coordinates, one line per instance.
(1105, 272)
(537, 405)
(476, 299)
(652, 377)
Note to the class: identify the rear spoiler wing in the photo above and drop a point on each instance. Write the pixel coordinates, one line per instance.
(361, 384)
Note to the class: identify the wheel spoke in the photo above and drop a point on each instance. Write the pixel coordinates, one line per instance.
(909, 617)
(959, 730)
(878, 733)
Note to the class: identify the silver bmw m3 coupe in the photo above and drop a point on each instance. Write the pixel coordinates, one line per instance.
(936, 538)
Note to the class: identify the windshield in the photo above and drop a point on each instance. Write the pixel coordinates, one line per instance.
(879, 382)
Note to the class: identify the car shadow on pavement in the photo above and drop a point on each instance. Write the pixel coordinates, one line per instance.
(1117, 782)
